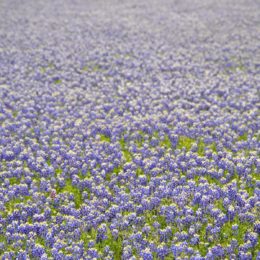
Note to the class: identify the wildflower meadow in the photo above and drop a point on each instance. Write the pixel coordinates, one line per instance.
(129, 129)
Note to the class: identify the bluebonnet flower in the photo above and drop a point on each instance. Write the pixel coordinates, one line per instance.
(146, 254)
(253, 238)
(195, 239)
(115, 233)
(162, 251)
(127, 252)
(44, 257)
(218, 251)
(38, 250)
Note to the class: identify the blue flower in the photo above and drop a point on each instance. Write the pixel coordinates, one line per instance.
(146, 254)
(38, 250)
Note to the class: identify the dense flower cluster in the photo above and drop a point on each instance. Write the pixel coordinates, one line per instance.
(129, 130)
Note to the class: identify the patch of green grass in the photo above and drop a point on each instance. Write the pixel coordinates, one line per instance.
(212, 180)
(185, 142)
(85, 237)
(201, 148)
(213, 147)
(57, 81)
(14, 180)
(118, 169)
(58, 171)
(196, 179)
(105, 138)
(115, 245)
(153, 215)
(256, 176)
(243, 137)
(140, 139)
(114, 172)
(195, 207)
(139, 172)
(2, 240)
(85, 68)
(155, 134)
(166, 142)
(202, 234)
(11, 205)
(29, 220)
(74, 190)
(235, 64)
(91, 67)
(166, 201)
(42, 70)
(96, 67)
(48, 162)
(149, 217)
(203, 249)
(250, 191)
(257, 136)
(54, 212)
(126, 153)
(88, 175)
(169, 257)
(15, 113)
(219, 204)
(85, 175)
(40, 241)
(238, 67)
(108, 176)
(243, 228)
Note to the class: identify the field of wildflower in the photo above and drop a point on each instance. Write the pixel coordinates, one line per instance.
(129, 129)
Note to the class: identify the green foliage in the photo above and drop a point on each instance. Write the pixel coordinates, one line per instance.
(85, 68)
(91, 67)
(185, 142)
(15, 113)
(126, 153)
(42, 70)
(105, 138)
(201, 147)
(11, 205)
(153, 215)
(74, 190)
(57, 81)
(2, 240)
(166, 142)
(256, 176)
(227, 234)
(58, 171)
(219, 204)
(212, 180)
(96, 67)
(243, 137)
(40, 241)
(14, 180)
(115, 245)
(166, 201)
(48, 162)
(140, 139)
(196, 179)
(117, 170)
(213, 147)
(139, 172)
